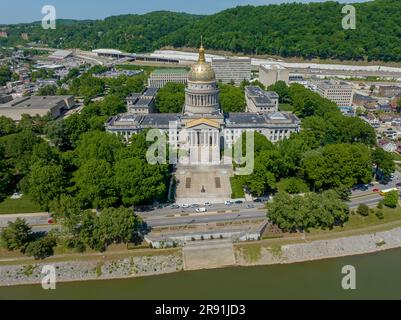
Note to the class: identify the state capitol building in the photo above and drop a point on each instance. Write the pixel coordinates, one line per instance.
(202, 130)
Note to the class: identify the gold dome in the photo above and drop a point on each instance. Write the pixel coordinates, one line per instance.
(201, 71)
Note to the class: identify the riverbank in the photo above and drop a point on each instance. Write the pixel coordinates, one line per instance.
(132, 264)
(263, 254)
(94, 268)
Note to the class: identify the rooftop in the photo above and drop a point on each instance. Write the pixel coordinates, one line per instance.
(331, 83)
(61, 54)
(170, 70)
(259, 96)
(150, 91)
(107, 51)
(35, 102)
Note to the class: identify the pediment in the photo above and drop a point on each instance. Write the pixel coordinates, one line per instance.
(203, 123)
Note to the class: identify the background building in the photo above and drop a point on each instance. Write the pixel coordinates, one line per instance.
(37, 105)
(260, 101)
(339, 92)
(60, 55)
(160, 77)
(389, 91)
(142, 103)
(4, 98)
(365, 101)
(271, 73)
(234, 70)
(202, 130)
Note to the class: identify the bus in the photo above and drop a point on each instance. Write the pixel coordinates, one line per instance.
(383, 192)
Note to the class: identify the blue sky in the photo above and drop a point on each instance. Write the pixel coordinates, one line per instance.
(16, 11)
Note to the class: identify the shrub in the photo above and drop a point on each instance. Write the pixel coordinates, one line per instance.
(380, 205)
(42, 248)
(391, 199)
(16, 236)
(363, 210)
(380, 214)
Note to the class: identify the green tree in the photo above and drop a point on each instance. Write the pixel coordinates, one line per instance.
(391, 199)
(45, 183)
(16, 235)
(363, 210)
(48, 90)
(383, 161)
(97, 145)
(42, 248)
(292, 185)
(58, 133)
(337, 165)
(266, 169)
(298, 213)
(112, 105)
(18, 150)
(283, 91)
(139, 182)
(232, 99)
(5, 75)
(171, 98)
(117, 225)
(95, 184)
(7, 126)
(68, 210)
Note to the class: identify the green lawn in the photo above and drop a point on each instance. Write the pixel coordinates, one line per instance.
(145, 68)
(356, 221)
(396, 156)
(23, 205)
(237, 190)
(285, 107)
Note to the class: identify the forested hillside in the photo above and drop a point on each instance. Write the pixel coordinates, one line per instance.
(288, 30)
(131, 33)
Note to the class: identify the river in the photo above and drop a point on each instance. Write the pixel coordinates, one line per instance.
(378, 277)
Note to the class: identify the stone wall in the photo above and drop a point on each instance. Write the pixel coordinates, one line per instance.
(94, 269)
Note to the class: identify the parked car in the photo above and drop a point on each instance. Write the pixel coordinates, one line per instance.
(174, 206)
(16, 196)
(228, 203)
(185, 205)
(239, 202)
(257, 200)
(207, 204)
(376, 190)
(201, 210)
(250, 206)
(194, 205)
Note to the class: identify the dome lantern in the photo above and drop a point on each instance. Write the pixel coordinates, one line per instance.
(201, 71)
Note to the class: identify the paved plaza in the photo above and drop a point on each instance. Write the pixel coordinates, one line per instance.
(200, 184)
(208, 254)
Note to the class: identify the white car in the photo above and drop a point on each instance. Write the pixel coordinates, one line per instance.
(228, 203)
(16, 196)
(185, 205)
(207, 204)
(201, 210)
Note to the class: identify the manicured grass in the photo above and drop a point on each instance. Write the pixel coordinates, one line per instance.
(146, 68)
(237, 190)
(396, 156)
(251, 253)
(285, 107)
(357, 221)
(23, 205)
(354, 226)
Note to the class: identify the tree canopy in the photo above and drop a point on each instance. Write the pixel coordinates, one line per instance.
(308, 30)
(171, 98)
(301, 213)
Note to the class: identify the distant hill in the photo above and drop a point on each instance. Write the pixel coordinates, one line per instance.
(290, 30)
